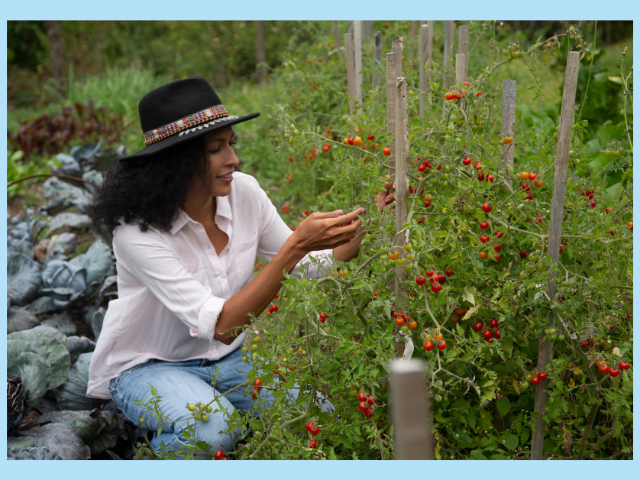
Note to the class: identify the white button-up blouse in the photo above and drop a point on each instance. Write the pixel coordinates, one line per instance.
(172, 285)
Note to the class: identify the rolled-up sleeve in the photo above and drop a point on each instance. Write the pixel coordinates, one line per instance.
(274, 232)
(155, 264)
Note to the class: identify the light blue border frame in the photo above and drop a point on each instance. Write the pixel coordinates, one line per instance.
(295, 10)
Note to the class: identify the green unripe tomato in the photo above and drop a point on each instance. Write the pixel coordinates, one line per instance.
(530, 266)
(257, 435)
(411, 256)
(198, 416)
(523, 274)
(404, 328)
(191, 407)
(400, 261)
(523, 385)
(256, 339)
(244, 358)
(296, 132)
(244, 349)
(533, 257)
(541, 267)
(254, 356)
(438, 398)
(408, 247)
(254, 347)
(408, 267)
(445, 176)
(528, 377)
(209, 409)
(446, 169)
(561, 336)
(353, 393)
(205, 417)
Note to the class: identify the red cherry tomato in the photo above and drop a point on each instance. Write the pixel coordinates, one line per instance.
(477, 326)
(535, 380)
(219, 454)
(493, 323)
(484, 225)
(428, 346)
(487, 334)
(362, 396)
(497, 334)
(441, 344)
(542, 376)
(313, 443)
(614, 372)
(362, 405)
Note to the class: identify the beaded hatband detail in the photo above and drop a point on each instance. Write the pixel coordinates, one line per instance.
(190, 123)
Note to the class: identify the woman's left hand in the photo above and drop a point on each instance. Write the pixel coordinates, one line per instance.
(350, 250)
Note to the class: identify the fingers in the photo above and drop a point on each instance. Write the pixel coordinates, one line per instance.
(350, 217)
(322, 215)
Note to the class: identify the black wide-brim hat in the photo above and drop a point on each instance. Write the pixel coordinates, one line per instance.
(179, 111)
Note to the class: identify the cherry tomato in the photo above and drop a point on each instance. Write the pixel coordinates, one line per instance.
(314, 430)
(477, 326)
(313, 443)
(486, 207)
(528, 377)
(496, 256)
(371, 399)
(357, 141)
(394, 255)
(493, 323)
(257, 383)
(603, 368)
(484, 238)
(538, 183)
(413, 325)
(386, 151)
(362, 405)
(467, 161)
(400, 321)
(484, 225)
(533, 176)
(524, 175)
(428, 346)
(623, 365)
(421, 280)
(487, 334)
(508, 140)
(483, 255)
(614, 372)
(429, 273)
(436, 287)
(441, 344)
(368, 412)
(535, 380)
(219, 454)
(448, 272)
(542, 376)
(497, 247)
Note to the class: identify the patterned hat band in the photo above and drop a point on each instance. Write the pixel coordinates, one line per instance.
(191, 123)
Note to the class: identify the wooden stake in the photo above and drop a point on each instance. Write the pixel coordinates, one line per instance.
(410, 411)
(377, 53)
(448, 41)
(460, 68)
(397, 47)
(391, 105)
(336, 34)
(463, 47)
(402, 192)
(357, 35)
(351, 71)
(422, 47)
(508, 126)
(555, 231)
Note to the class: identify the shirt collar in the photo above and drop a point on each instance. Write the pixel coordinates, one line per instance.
(223, 209)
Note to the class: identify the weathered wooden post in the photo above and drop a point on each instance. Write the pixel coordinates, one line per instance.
(555, 232)
(460, 68)
(351, 71)
(397, 47)
(402, 191)
(422, 50)
(357, 35)
(463, 47)
(391, 106)
(261, 53)
(410, 411)
(377, 53)
(336, 34)
(508, 126)
(448, 41)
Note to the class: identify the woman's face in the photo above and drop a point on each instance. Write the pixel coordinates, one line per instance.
(218, 149)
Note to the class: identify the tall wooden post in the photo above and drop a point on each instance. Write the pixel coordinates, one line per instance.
(448, 41)
(351, 71)
(391, 106)
(397, 47)
(422, 49)
(336, 34)
(377, 53)
(555, 232)
(410, 411)
(402, 192)
(261, 53)
(463, 47)
(508, 125)
(357, 36)
(460, 68)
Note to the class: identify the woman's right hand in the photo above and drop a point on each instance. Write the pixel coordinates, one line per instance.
(324, 230)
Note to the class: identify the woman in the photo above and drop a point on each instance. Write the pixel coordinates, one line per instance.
(186, 231)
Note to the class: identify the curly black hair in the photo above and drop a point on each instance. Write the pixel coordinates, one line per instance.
(151, 190)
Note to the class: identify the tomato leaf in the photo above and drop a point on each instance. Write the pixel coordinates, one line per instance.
(503, 406)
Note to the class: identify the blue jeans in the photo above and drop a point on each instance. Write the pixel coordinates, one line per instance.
(189, 381)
